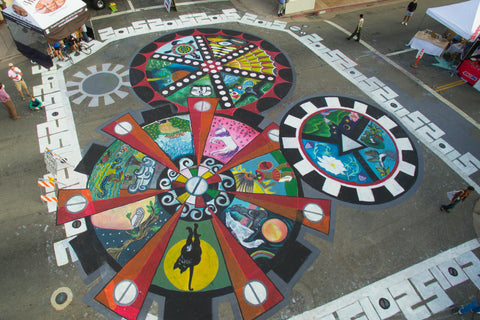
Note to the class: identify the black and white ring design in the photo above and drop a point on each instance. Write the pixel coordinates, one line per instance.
(393, 185)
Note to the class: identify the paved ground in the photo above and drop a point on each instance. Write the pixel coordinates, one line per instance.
(368, 244)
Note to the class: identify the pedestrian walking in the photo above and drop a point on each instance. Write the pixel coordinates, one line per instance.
(358, 30)
(473, 306)
(7, 102)
(412, 6)
(457, 197)
(282, 5)
(16, 75)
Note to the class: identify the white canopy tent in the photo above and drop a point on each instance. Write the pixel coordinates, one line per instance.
(463, 18)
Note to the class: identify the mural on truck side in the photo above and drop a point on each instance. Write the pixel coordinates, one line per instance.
(239, 69)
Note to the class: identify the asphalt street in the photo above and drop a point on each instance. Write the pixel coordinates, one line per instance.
(368, 244)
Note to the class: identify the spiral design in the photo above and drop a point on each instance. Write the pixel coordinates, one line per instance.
(169, 198)
(172, 174)
(222, 199)
(216, 167)
(196, 214)
(227, 182)
(165, 183)
(185, 210)
(209, 162)
(186, 162)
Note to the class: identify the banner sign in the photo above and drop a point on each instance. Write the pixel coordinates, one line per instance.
(43, 14)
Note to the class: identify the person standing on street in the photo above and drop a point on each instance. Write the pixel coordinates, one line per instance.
(16, 75)
(358, 30)
(85, 37)
(282, 4)
(412, 6)
(7, 102)
(457, 197)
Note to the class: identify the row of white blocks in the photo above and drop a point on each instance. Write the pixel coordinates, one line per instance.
(417, 292)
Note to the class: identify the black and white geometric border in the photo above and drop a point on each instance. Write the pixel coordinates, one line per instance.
(400, 180)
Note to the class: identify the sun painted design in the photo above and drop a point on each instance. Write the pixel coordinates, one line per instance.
(191, 206)
(104, 83)
(238, 69)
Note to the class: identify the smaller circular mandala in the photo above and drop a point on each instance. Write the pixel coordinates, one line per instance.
(237, 69)
(349, 149)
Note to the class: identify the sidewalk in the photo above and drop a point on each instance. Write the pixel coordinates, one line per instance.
(7, 46)
(267, 8)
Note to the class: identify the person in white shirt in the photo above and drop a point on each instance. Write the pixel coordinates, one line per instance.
(358, 30)
(16, 75)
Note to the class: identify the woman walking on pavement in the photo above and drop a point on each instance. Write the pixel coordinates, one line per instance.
(7, 102)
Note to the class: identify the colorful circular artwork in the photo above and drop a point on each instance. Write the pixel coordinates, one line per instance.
(239, 69)
(349, 149)
(189, 207)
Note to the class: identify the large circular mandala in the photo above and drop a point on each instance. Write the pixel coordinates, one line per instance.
(239, 69)
(349, 149)
(189, 207)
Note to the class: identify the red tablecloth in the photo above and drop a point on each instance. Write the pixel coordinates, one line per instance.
(469, 71)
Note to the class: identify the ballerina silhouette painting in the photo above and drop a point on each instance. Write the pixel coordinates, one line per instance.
(191, 254)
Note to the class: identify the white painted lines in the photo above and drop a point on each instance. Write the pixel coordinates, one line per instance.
(416, 292)
(399, 52)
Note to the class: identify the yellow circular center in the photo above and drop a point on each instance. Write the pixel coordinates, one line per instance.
(203, 273)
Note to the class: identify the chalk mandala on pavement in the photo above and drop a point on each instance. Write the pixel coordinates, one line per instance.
(192, 206)
(349, 149)
(239, 69)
